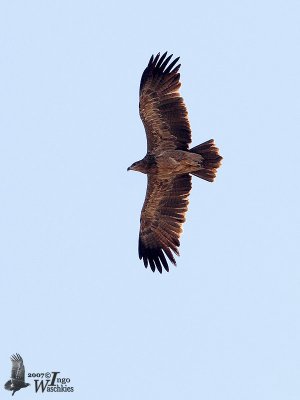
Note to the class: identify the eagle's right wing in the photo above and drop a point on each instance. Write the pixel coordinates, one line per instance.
(162, 216)
(18, 370)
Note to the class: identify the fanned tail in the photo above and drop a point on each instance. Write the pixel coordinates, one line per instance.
(211, 160)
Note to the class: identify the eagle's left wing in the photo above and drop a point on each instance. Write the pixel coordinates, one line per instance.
(162, 216)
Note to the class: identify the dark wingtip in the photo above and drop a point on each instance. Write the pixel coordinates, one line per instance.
(161, 62)
(158, 66)
(155, 257)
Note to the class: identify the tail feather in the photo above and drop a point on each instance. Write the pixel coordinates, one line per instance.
(211, 160)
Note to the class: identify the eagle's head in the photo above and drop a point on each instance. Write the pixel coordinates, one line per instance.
(138, 166)
(132, 167)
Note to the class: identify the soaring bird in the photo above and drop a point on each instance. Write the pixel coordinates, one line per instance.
(169, 163)
(17, 380)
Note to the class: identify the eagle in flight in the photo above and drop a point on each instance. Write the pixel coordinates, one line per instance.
(169, 163)
(17, 380)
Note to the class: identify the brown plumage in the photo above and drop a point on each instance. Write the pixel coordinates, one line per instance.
(168, 163)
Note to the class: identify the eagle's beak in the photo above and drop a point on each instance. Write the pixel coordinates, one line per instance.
(129, 168)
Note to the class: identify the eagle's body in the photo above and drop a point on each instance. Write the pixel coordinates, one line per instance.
(168, 163)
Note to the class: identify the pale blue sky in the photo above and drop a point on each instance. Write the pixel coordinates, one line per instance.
(224, 324)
